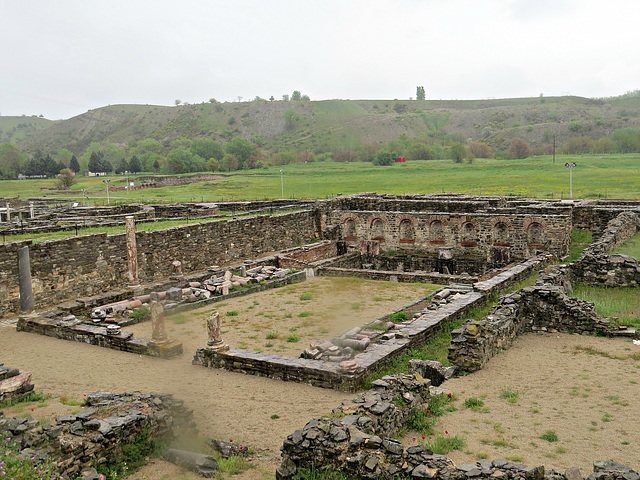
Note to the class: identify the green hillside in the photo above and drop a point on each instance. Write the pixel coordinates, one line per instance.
(14, 129)
(335, 124)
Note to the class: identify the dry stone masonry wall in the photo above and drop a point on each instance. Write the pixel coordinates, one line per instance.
(99, 433)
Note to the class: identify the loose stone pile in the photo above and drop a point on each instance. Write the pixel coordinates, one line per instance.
(223, 281)
(13, 384)
(100, 432)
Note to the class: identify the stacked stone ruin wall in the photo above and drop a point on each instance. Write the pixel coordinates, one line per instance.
(469, 235)
(63, 270)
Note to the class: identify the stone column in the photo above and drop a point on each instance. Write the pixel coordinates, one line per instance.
(31, 210)
(24, 268)
(215, 337)
(132, 252)
(8, 212)
(159, 334)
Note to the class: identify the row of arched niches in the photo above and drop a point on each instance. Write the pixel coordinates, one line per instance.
(437, 232)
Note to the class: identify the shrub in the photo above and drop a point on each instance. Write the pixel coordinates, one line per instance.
(549, 436)
(444, 444)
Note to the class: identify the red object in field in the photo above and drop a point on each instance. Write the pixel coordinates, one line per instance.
(401, 159)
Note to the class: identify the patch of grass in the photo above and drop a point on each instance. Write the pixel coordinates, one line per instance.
(398, 317)
(443, 444)
(355, 306)
(274, 417)
(306, 296)
(602, 353)
(377, 326)
(27, 397)
(620, 302)
(293, 338)
(180, 318)
(304, 314)
(69, 401)
(473, 403)
(510, 395)
(233, 465)
(549, 436)
(606, 418)
(233, 313)
(141, 314)
(272, 335)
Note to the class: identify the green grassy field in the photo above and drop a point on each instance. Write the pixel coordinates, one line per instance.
(613, 176)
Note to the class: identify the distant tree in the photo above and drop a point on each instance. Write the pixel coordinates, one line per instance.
(106, 166)
(626, 139)
(420, 151)
(384, 158)
(135, 165)
(295, 96)
(74, 165)
(271, 98)
(604, 145)
(479, 149)
(285, 98)
(63, 156)
(66, 178)
(305, 98)
(582, 144)
(213, 100)
(457, 152)
(94, 162)
(207, 148)
(177, 101)
(122, 166)
(345, 156)
(519, 148)
(156, 166)
(229, 163)
(61, 165)
(420, 95)
(177, 159)
(213, 164)
(290, 119)
(241, 149)
(12, 161)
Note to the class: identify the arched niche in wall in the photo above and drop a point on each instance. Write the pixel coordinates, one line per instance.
(349, 230)
(377, 230)
(407, 231)
(500, 234)
(436, 232)
(468, 235)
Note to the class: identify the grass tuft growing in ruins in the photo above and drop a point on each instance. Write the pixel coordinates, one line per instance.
(27, 397)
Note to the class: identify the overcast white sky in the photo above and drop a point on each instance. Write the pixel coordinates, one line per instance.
(61, 58)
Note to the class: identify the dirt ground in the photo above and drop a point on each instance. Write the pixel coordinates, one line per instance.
(589, 400)
(228, 406)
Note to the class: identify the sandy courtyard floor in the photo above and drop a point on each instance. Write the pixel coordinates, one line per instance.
(572, 385)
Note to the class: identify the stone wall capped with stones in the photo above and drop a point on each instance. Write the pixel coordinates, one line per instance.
(618, 230)
(63, 270)
(538, 308)
(609, 270)
(98, 434)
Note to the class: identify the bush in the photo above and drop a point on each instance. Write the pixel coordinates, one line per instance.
(549, 436)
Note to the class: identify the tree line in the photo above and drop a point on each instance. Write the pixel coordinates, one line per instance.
(203, 154)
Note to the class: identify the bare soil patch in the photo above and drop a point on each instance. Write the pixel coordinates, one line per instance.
(285, 320)
(565, 385)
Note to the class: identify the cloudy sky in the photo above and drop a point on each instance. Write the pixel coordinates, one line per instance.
(61, 58)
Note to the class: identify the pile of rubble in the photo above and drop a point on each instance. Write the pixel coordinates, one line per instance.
(220, 283)
(223, 281)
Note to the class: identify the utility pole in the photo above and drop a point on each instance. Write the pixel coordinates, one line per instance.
(554, 149)
(282, 183)
(106, 182)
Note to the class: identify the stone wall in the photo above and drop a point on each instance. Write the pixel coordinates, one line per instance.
(538, 308)
(497, 238)
(13, 383)
(302, 256)
(70, 328)
(617, 231)
(357, 440)
(101, 432)
(83, 266)
(607, 270)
